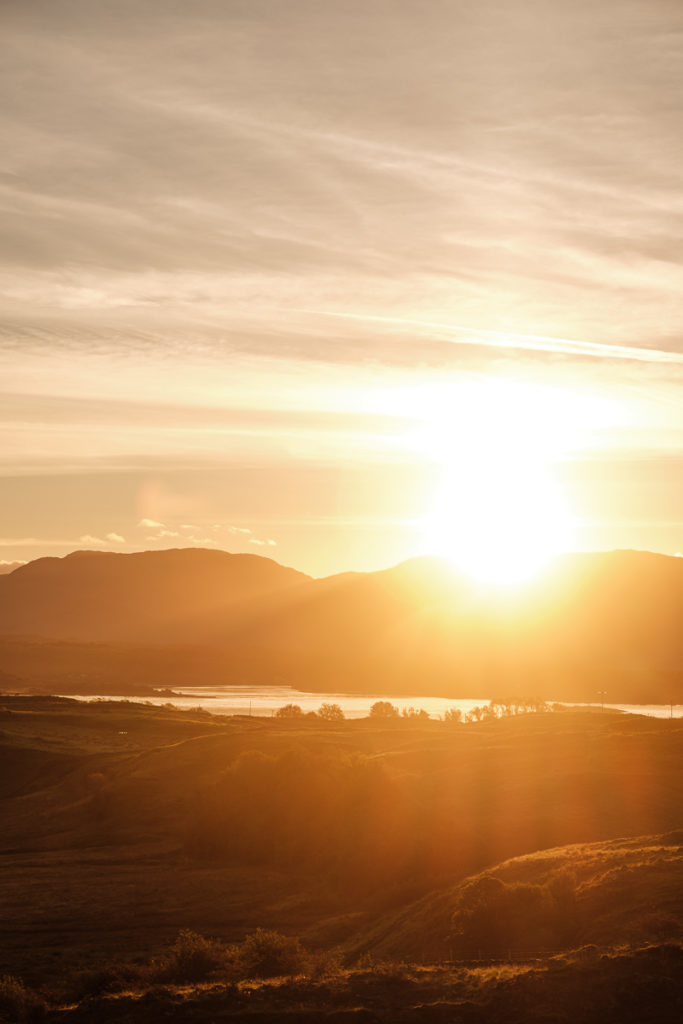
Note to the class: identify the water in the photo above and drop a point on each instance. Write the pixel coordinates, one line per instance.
(265, 701)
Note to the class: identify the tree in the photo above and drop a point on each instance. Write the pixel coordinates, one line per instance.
(415, 713)
(330, 713)
(453, 716)
(289, 711)
(383, 709)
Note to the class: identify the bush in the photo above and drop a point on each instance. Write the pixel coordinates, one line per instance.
(18, 1003)
(331, 713)
(289, 711)
(416, 714)
(494, 916)
(267, 954)
(95, 981)
(383, 709)
(192, 958)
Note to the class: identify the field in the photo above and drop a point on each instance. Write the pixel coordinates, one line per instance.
(526, 868)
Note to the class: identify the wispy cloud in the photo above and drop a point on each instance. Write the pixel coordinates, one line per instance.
(515, 340)
(85, 539)
(9, 566)
(197, 535)
(511, 205)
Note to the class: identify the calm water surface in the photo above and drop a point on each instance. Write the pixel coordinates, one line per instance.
(265, 701)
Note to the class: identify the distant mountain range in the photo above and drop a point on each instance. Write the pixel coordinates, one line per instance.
(106, 622)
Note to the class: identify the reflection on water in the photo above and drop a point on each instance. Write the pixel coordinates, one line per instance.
(265, 701)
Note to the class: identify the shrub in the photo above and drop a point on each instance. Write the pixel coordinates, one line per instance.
(95, 981)
(416, 714)
(192, 958)
(18, 1003)
(289, 711)
(267, 954)
(496, 916)
(331, 713)
(383, 709)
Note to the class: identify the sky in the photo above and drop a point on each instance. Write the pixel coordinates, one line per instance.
(341, 282)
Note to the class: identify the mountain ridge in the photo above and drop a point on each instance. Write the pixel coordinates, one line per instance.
(592, 621)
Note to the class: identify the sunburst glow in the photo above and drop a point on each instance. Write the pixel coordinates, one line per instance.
(497, 510)
(499, 520)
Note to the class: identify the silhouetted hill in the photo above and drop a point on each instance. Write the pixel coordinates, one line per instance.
(150, 596)
(593, 621)
(606, 621)
(7, 567)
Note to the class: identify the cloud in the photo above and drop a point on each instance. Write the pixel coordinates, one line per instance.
(227, 527)
(502, 202)
(115, 538)
(263, 543)
(87, 538)
(10, 566)
(511, 205)
(515, 340)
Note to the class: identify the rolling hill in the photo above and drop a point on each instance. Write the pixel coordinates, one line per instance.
(184, 595)
(522, 869)
(592, 621)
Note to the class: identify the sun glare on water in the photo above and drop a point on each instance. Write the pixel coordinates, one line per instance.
(497, 512)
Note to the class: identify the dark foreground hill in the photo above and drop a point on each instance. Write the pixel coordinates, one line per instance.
(102, 622)
(519, 870)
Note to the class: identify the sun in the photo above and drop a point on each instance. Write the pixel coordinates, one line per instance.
(497, 510)
(499, 522)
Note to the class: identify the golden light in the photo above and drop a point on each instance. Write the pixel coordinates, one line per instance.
(499, 520)
(497, 510)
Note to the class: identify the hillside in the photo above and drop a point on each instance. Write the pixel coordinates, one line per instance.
(543, 845)
(590, 622)
(624, 891)
(96, 622)
(179, 596)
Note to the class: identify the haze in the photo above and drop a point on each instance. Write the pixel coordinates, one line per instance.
(342, 282)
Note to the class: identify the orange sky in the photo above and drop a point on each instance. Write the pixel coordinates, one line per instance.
(341, 282)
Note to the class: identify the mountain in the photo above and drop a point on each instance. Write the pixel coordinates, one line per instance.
(605, 621)
(177, 596)
(591, 622)
(7, 567)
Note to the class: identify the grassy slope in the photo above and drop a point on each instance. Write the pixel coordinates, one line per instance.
(624, 986)
(627, 891)
(96, 801)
